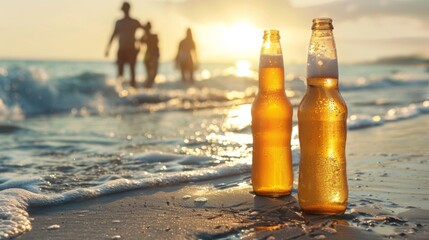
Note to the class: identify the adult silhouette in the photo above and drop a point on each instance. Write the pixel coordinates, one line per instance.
(125, 30)
(151, 57)
(186, 58)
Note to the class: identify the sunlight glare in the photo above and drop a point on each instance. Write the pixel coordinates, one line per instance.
(242, 39)
(205, 74)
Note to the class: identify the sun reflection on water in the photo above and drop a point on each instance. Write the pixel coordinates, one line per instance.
(238, 118)
(233, 146)
(230, 141)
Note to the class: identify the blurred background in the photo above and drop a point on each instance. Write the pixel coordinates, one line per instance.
(68, 123)
(224, 31)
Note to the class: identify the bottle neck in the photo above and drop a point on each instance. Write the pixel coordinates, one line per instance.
(322, 55)
(271, 44)
(271, 68)
(271, 73)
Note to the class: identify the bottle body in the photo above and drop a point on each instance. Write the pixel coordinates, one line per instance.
(322, 126)
(272, 173)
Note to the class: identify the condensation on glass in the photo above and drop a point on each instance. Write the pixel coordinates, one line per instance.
(322, 124)
(272, 173)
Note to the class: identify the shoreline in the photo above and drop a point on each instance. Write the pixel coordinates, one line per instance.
(388, 197)
(205, 210)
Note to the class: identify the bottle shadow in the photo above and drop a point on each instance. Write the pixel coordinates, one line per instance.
(279, 217)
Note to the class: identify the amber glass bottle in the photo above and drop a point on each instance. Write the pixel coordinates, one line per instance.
(322, 123)
(272, 173)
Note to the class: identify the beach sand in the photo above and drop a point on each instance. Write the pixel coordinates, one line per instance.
(388, 176)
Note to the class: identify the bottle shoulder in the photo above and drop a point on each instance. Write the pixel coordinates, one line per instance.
(323, 103)
(271, 99)
(265, 104)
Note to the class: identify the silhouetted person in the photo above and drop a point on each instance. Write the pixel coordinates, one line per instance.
(125, 30)
(151, 57)
(186, 57)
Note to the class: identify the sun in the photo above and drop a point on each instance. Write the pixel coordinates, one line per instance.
(242, 39)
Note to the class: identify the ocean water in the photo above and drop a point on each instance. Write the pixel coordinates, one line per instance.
(70, 131)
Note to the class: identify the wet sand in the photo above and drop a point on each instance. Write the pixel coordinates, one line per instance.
(388, 176)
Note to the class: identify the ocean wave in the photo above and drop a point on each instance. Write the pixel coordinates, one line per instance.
(358, 121)
(26, 91)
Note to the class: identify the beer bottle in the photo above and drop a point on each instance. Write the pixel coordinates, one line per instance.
(322, 115)
(272, 173)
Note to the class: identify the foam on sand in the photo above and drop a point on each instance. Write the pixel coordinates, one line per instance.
(14, 202)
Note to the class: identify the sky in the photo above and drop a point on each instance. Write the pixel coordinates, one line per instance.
(224, 30)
